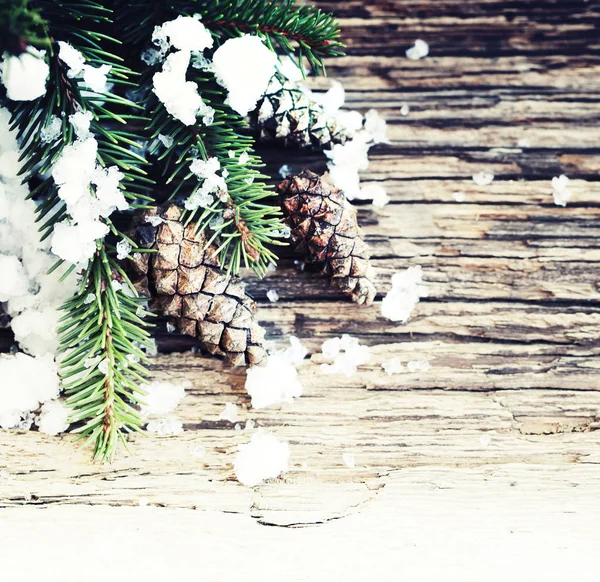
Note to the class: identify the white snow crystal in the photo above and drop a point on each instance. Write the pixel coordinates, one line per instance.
(459, 196)
(54, 417)
(154, 220)
(561, 193)
(275, 383)
(483, 178)
(170, 425)
(24, 76)
(244, 157)
(418, 51)
(14, 281)
(393, 366)
(123, 249)
(296, 353)
(404, 110)
(103, 366)
(264, 457)
(166, 140)
(244, 66)
(52, 130)
(89, 298)
(332, 100)
(180, 97)
(407, 289)
(95, 78)
(26, 382)
(349, 460)
(376, 193)
(171, 327)
(284, 171)
(229, 413)
(418, 366)
(161, 398)
(375, 127)
(347, 354)
(184, 33)
(272, 295)
(81, 123)
(71, 243)
(74, 60)
(523, 143)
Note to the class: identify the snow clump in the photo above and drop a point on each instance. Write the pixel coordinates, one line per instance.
(264, 457)
(407, 289)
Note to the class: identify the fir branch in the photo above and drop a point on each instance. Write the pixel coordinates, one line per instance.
(21, 24)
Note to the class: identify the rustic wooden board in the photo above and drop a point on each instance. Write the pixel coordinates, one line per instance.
(507, 415)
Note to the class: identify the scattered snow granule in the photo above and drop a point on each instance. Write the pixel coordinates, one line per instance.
(244, 157)
(230, 413)
(54, 417)
(272, 295)
(185, 33)
(485, 439)
(171, 327)
(418, 366)
(180, 97)
(196, 450)
(69, 241)
(154, 220)
(95, 78)
(161, 398)
(332, 100)
(418, 51)
(89, 298)
(483, 178)
(165, 426)
(81, 123)
(275, 383)
(296, 352)
(375, 127)
(132, 358)
(459, 196)
(24, 76)
(123, 249)
(404, 110)
(71, 57)
(523, 143)
(244, 66)
(250, 424)
(347, 354)
(404, 295)
(393, 366)
(166, 140)
(52, 130)
(349, 460)
(264, 457)
(103, 366)
(284, 171)
(331, 347)
(561, 193)
(14, 281)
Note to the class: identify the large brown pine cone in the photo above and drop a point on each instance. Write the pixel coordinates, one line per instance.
(287, 115)
(325, 230)
(188, 285)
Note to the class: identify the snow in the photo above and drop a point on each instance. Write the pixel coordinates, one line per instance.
(166, 140)
(52, 131)
(404, 110)
(27, 381)
(264, 457)
(54, 417)
(161, 398)
(459, 196)
(93, 78)
(154, 220)
(14, 281)
(376, 193)
(418, 366)
(179, 96)
(284, 171)
(393, 366)
(272, 295)
(185, 33)
(277, 382)
(123, 249)
(81, 123)
(561, 193)
(243, 159)
(346, 354)
(332, 100)
(407, 289)
(349, 460)
(483, 178)
(74, 60)
(170, 425)
(24, 76)
(229, 413)
(244, 66)
(419, 51)
(212, 183)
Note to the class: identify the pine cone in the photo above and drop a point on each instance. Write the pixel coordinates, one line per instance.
(188, 285)
(287, 115)
(325, 230)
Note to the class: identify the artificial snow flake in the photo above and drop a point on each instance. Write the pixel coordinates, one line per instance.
(407, 289)
(419, 51)
(272, 295)
(161, 398)
(123, 249)
(349, 460)
(89, 298)
(51, 132)
(184, 33)
(14, 281)
(180, 97)
(229, 413)
(166, 140)
(24, 76)
(347, 354)
(103, 366)
(459, 196)
(54, 417)
(168, 426)
(483, 178)
(418, 366)
(393, 366)
(81, 123)
(244, 157)
(376, 193)
(561, 193)
(404, 110)
(264, 457)
(74, 60)
(284, 171)
(244, 66)
(95, 78)
(154, 220)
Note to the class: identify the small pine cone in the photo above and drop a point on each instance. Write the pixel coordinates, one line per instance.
(325, 230)
(189, 286)
(287, 115)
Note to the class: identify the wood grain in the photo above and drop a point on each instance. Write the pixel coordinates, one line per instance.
(511, 326)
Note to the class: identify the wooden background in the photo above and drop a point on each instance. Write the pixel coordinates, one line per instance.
(497, 443)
